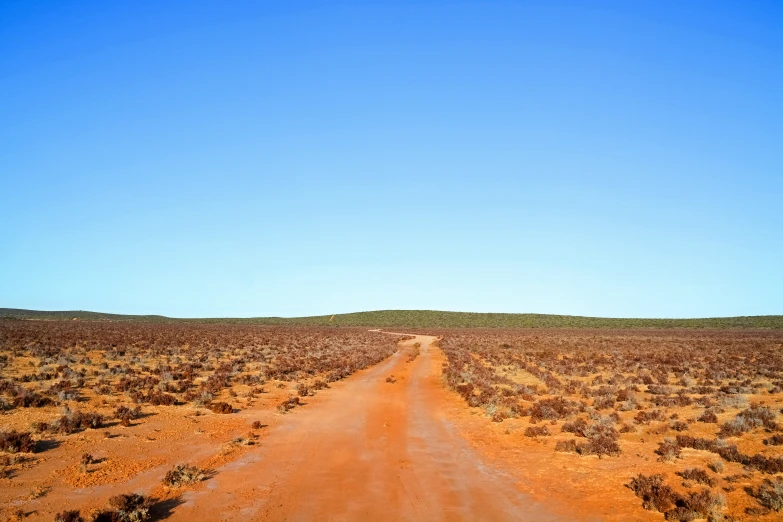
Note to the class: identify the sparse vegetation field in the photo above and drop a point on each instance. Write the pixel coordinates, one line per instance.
(674, 424)
(690, 420)
(79, 400)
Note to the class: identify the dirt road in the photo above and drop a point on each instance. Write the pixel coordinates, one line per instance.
(373, 450)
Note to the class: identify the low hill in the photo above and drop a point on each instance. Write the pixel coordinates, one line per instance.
(427, 319)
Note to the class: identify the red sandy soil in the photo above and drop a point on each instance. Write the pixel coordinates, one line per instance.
(366, 449)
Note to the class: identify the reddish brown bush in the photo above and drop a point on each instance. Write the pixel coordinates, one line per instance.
(600, 445)
(537, 431)
(566, 446)
(655, 495)
(578, 427)
(221, 407)
(697, 475)
(775, 440)
(69, 516)
(17, 442)
(76, 421)
(160, 399)
(554, 409)
(702, 504)
(668, 450)
(288, 404)
(645, 417)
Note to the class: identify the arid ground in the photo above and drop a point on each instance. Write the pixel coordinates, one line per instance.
(309, 423)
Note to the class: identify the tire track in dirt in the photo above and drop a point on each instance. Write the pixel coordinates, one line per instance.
(372, 451)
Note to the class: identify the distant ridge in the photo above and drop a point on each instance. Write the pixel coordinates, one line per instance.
(424, 319)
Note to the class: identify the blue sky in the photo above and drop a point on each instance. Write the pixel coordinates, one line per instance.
(295, 158)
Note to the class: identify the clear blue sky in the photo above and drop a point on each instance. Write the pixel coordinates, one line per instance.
(294, 158)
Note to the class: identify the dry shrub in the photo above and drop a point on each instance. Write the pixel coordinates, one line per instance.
(86, 460)
(183, 475)
(125, 414)
(73, 515)
(708, 416)
(288, 404)
(770, 494)
(161, 399)
(655, 495)
(40, 426)
(76, 421)
(600, 446)
(537, 431)
(775, 440)
(221, 407)
(702, 504)
(578, 427)
(566, 446)
(746, 420)
(32, 400)
(645, 417)
(730, 453)
(131, 507)
(17, 442)
(668, 450)
(499, 415)
(554, 409)
(697, 475)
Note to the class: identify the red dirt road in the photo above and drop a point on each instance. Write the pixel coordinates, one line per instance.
(371, 451)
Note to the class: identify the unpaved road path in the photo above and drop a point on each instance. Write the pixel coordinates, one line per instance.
(372, 450)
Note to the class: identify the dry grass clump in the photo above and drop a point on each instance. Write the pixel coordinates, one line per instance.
(754, 417)
(183, 475)
(770, 494)
(130, 507)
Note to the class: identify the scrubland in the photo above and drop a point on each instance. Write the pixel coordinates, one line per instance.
(82, 401)
(118, 420)
(689, 422)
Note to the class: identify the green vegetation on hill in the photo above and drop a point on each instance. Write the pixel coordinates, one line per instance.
(429, 319)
